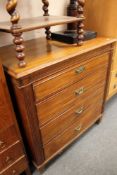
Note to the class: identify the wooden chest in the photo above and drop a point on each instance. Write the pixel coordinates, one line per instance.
(13, 159)
(61, 92)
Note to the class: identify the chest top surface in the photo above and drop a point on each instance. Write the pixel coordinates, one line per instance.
(41, 53)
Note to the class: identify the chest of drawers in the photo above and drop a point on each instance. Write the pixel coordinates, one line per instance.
(13, 159)
(61, 92)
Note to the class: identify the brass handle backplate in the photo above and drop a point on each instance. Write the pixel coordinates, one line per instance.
(78, 128)
(115, 86)
(2, 144)
(80, 111)
(14, 172)
(80, 70)
(8, 160)
(80, 91)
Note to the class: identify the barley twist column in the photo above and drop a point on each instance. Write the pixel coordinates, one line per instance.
(72, 10)
(81, 4)
(45, 9)
(18, 40)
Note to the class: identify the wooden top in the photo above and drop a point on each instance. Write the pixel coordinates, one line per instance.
(38, 23)
(41, 53)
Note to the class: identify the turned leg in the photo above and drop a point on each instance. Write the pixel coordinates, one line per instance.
(45, 9)
(80, 28)
(18, 40)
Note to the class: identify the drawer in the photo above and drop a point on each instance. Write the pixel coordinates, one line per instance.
(113, 83)
(73, 132)
(114, 76)
(17, 168)
(58, 125)
(114, 63)
(8, 137)
(9, 156)
(6, 120)
(61, 80)
(62, 101)
(113, 88)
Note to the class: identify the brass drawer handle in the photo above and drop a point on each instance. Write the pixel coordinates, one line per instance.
(115, 86)
(78, 128)
(8, 160)
(14, 172)
(80, 111)
(80, 91)
(80, 70)
(2, 144)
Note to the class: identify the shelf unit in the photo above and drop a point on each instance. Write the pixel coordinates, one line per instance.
(16, 26)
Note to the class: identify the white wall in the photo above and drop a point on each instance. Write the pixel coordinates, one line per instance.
(31, 8)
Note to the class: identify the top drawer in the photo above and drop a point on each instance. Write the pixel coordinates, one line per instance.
(56, 82)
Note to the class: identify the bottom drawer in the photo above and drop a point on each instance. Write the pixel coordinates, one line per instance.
(113, 84)
(9, 156)
(17, 168)
(64, 139)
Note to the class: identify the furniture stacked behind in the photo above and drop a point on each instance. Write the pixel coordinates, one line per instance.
(12, 155)
(104, 21)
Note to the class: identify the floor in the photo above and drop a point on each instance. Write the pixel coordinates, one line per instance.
(95, 153)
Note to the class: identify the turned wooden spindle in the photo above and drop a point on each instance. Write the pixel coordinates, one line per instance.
(18, 40)
(72, 10)
(80, 29)
(46, 13)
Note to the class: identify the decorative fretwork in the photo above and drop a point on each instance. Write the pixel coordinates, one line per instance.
(81, 4)
(46, 13)
(18, 40)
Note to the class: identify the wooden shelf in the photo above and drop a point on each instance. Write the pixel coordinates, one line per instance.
(38, 23)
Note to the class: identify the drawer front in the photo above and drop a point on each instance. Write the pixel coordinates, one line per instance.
(8, 137)
(114, 76)
(58, 125)
(73, 132)
(61, 80)
(9, 156)
(6, 119)
(17, 168)
(114, 63)
(113, 83)
(62, 101)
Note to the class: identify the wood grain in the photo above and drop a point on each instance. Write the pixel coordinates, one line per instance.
(71, 133)
(61, 80)
(53, 106)
(104, 22)
(41, 54)
(38, 23)
(62, 122)
(11, 145)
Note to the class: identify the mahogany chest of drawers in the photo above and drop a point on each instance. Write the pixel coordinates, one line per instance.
(13, 160)
(60, 93)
